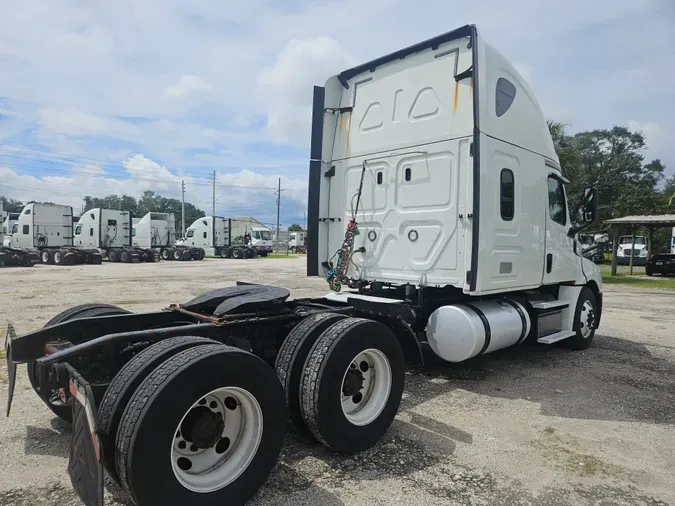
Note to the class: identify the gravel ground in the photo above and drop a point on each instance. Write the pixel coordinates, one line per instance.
(525, 426)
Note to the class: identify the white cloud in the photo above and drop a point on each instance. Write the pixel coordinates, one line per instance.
(287, 84)
(72, 122)
(186, 86)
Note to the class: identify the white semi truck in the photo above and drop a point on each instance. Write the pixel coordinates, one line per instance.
(48, 229)
(297, 241)
(435, 196)
(228, 237)
(110, 231)
(158, 232)
(10, 256)
(9, 226)
(627, 248)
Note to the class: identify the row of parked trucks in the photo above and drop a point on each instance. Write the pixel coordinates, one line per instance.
(50, 234)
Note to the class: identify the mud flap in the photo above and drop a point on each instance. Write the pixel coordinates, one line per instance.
(85, 465)
(11, 366)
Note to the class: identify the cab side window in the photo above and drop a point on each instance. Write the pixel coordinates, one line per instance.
(557, 207)
(506, 195)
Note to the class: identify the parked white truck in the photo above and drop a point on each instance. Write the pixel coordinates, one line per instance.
(228, 237)
(109, 230)
(637, 249)
(158, 231)
(297, 241)
(435, 194)
(10, 256)
(48, 229)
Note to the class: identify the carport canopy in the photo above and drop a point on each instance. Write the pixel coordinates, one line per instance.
(651, 222)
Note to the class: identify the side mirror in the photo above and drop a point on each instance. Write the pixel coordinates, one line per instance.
(591, 206)
(589, 211)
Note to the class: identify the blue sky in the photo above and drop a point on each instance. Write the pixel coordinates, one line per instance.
(130, 95)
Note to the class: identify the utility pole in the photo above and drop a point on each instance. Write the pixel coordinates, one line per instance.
(182, 208)
(213, 213)
(278, 212)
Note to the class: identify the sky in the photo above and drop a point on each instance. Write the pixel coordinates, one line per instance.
(126, 96)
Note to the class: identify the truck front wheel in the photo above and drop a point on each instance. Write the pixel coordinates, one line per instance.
(202, 429)
(585, 321)
(352, 384)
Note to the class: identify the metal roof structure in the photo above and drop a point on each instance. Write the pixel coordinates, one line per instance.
(650, 219)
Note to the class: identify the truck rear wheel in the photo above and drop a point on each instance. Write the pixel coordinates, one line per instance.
(237, 253)
(352, 384)
(178, 254)
(51, 397)
(46, 256)
(250, 253)
(166, 253)
(225, 253)
(202, 429)
(125, 383)
(124, 256)
(290, 361)
(58, 257)
(114, 255)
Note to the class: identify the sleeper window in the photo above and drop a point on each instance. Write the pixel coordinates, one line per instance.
(26, 229)
(506, 195)
(505, 94)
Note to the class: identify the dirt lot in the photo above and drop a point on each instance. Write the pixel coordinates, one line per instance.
(527, 426)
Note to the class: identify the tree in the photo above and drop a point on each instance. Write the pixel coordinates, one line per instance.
(11, 205)
(295, 228)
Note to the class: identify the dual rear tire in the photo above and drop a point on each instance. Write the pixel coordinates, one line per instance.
(343, 379)
(192, 421)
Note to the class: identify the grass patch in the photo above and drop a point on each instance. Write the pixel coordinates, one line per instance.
(638, 280)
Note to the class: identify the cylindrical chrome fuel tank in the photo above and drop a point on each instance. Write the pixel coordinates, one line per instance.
(461, 331)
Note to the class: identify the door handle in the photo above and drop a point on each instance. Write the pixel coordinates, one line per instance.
(549, 263)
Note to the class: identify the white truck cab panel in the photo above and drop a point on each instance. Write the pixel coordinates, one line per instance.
(442, 156)
(44, 225)
(103, 228)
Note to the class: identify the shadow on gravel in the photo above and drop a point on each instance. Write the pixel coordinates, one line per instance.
(43, 441)
(614, 379)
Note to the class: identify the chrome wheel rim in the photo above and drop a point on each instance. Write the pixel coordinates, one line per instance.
(217, 439)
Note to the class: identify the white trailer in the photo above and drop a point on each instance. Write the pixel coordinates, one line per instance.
(109, 230)
(9, 226)
(158, 232)
(297, 241)
(435, 194)
(48, 229)
(672, 243)
(224, 237)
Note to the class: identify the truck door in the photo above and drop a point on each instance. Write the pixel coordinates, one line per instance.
(560, 263)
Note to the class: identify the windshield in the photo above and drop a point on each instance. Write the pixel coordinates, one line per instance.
(627, 239)
(266, 235)
(256, 234)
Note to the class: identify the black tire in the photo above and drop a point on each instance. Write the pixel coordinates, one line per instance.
(178, 254)
(149, 423)
(95, 259)
(649, 273)
(124, 256)
(250, 253)
(59, 257)
(46, 256)
(290, 361)
(322, 384)
(237, 253)
(166, 254)
(114, 255)
(202, 254)
(126, 381)
(81, 311)
(579, 342)
(225, 253)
